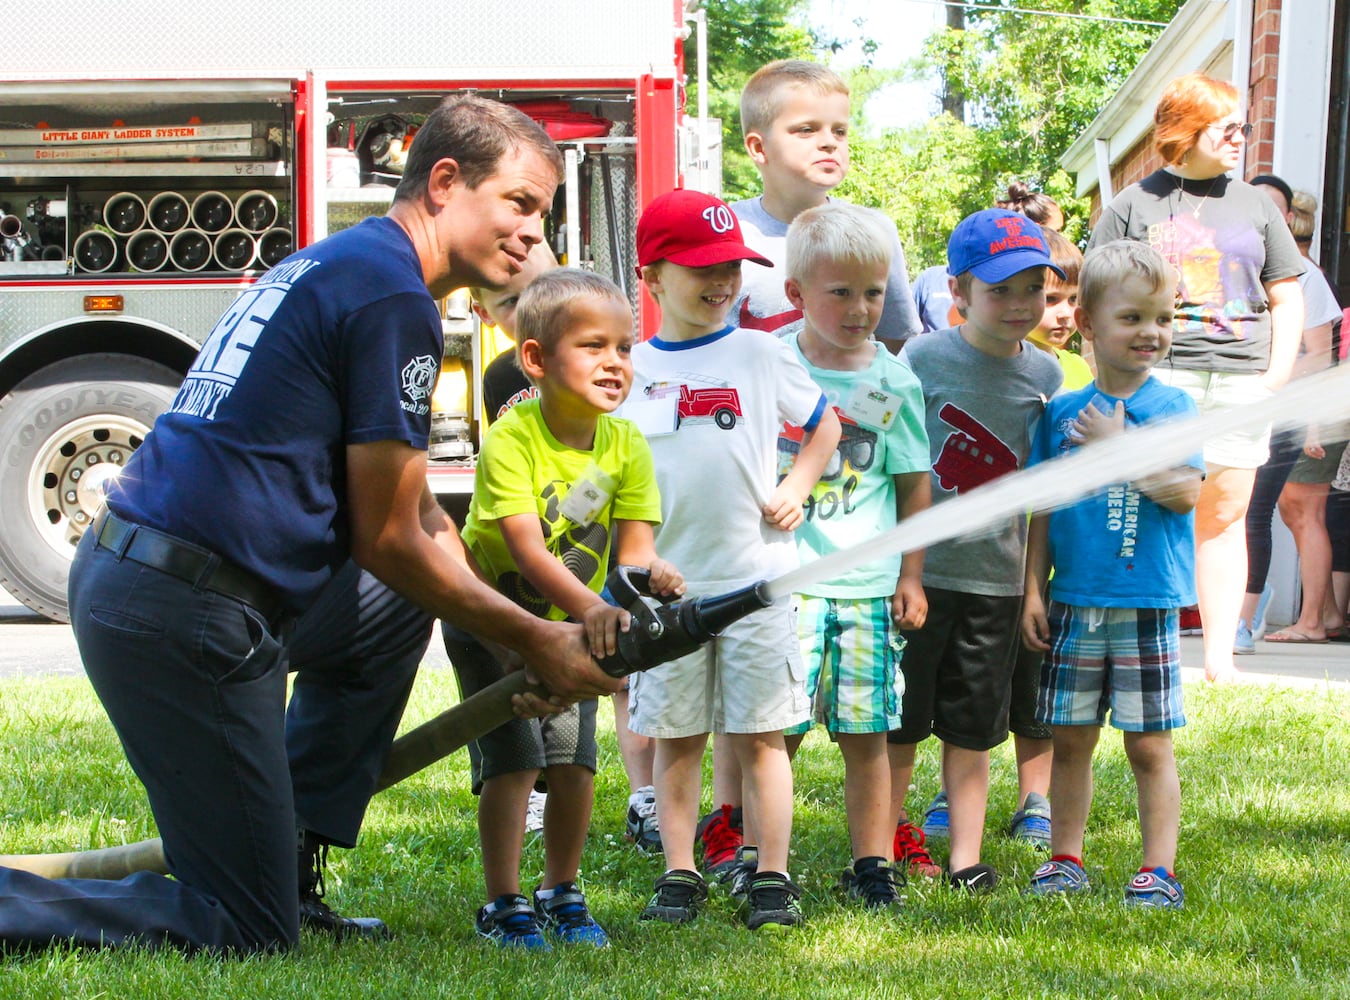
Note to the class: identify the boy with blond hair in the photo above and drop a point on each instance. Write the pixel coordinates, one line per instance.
(1124, 564)
(984, 391)
(711, 398)
(795, 119)
(559, 481)
(838, 259)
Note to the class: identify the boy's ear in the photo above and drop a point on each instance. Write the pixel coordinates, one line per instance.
(1082, 322)
(793, 290)
(481, 313)
(531, 357)
(754, 145)
(958, 299)
(651, 277)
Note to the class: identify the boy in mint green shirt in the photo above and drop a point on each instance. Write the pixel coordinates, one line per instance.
(838, 259)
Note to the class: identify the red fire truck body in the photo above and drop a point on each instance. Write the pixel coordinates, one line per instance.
(149, 174)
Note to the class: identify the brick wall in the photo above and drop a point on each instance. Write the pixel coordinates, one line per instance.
(1261, 92)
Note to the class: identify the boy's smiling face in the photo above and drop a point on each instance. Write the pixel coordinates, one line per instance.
(694, 301)
(804, 150)
(590, 370)
(999, 316)
(1130, 330)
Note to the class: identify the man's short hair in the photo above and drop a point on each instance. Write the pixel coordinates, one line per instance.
(476, 133)
(544, 312)
(764, 93)
(1111, 263)
(837, 231)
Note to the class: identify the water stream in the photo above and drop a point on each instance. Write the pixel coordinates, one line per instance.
(1321, 398)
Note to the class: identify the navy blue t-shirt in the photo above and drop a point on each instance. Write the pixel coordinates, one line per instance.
(339, 344)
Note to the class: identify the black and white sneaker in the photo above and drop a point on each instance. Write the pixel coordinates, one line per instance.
(642, 827)
(775, 902)
(873, 881)
(678, 897)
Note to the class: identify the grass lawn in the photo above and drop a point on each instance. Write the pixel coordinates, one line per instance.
(1265, 859)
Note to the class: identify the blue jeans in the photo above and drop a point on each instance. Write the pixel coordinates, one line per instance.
(194, 683)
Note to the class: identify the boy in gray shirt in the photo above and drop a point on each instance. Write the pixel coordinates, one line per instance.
(984, 392)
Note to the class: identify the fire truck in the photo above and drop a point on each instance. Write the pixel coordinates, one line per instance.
(151, 171)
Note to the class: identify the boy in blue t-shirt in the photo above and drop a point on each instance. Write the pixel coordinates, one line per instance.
(558, 483)
(1124, 563)
(838, 259)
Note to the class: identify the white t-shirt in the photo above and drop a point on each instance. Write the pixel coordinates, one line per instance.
(1319, 301)
(711, 409)
(764, 305)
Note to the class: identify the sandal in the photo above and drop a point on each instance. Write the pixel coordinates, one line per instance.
(1293, 636)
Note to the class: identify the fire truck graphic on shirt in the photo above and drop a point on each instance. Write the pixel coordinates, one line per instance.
(971, 456)
(721, 404)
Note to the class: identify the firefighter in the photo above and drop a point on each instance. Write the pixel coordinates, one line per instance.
(250, 534)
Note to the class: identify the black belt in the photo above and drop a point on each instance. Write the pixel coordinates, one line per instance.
(203, 569)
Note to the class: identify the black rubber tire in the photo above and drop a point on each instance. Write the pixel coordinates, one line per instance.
(78, 412)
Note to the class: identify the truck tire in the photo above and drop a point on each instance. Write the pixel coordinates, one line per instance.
(64, 432)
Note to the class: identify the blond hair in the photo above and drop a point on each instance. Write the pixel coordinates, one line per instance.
(1302, 216)
(1111, 263)
(837, 231)
(544, 312)
(763, 96)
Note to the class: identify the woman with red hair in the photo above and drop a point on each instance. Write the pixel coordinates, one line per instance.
(1239, 316)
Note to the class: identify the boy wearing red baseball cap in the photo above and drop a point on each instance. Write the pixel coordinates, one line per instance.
(710, 398)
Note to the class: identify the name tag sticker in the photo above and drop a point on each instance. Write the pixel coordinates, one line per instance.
(588, 496)
(873, 406)
(654, 416)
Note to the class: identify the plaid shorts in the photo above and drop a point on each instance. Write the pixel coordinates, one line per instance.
(1127, 659)
(852, 659)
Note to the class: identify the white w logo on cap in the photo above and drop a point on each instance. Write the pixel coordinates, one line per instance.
(720, 218)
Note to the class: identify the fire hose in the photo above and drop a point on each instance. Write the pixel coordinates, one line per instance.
(659, 632)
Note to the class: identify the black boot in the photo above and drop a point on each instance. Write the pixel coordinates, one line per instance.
(315, 914)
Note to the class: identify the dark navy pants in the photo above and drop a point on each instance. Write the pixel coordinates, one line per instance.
(195, 685)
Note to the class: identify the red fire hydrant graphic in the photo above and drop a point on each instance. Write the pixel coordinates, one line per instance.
(971, 457)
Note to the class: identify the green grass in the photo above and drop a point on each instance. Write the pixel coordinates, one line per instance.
(1265, 858)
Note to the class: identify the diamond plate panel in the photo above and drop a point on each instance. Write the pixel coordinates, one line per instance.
(412, 39)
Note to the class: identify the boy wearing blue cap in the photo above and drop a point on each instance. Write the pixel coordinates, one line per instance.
(984, 393)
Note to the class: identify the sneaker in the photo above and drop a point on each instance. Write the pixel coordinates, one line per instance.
(510, 923)
(1190, 622)
(936, 825)
(873, 881)
(975, 878)
(642, 827)
(1031, 823)
(774, 902)
(565, 917)
(534, 811)
(1244, 643)
(679, 895)
(720, 833)
(737, 877)
(1155, 890)
(1060, 876)
(315, 914)
(911, 855)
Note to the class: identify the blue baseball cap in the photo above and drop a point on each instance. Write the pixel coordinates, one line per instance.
(995, 244)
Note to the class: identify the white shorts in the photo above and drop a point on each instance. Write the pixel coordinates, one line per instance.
(1223, 391)
(749, 679)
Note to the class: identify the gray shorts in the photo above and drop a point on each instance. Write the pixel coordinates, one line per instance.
(521, 744)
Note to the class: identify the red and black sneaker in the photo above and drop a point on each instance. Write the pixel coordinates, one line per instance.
(910, 854)
(720, 832)
(1189, 623)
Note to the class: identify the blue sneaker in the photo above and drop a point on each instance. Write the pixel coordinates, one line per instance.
(512, 924)
(936, 825)
(1244, 643)
(565, 916)
(1031, 823)
(1057, 877)
(1155, 890)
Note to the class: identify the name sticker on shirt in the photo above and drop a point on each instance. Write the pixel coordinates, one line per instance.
(588, 496)
(873, 406)
(655, 414)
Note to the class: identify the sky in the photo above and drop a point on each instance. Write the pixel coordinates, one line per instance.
(899, 27)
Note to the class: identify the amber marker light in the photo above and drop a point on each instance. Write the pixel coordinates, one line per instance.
(102, 303)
